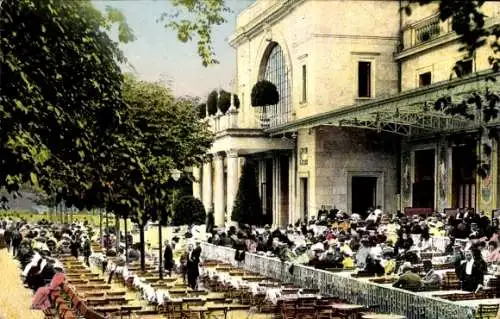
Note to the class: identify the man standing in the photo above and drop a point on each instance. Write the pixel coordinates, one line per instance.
(168, 258)
(193, 263)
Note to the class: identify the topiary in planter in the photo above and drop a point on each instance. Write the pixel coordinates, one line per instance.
(212, 102)
(224, 101)
(236, 101)
(264, 93)
(202, 110)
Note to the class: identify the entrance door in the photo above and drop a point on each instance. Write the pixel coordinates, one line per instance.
(464, 176)
(423, 187)
(364, 190)
(304, 198)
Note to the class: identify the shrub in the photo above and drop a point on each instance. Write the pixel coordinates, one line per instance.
(212, 102)
(247, 206)
(224, 101)
(236, 101)
(188, 210)
(264, 93)
(202, 110)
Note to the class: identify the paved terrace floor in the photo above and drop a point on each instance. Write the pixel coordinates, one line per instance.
(15, 300)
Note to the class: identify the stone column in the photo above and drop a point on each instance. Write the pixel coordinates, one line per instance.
(276, 191)
(261, 180)
(292, 195)
(219, 214)
(232, 181)
(197, 182)
(207, 185)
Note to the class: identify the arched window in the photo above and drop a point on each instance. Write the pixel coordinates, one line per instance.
(274, 69)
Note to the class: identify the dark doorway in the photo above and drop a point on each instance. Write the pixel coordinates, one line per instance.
(423, 187)
(304, 198)
(464, 176)
(364, 190)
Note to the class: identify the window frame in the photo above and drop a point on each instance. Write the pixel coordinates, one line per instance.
(420, 77)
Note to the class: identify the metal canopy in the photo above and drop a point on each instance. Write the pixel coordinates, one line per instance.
(410, 113)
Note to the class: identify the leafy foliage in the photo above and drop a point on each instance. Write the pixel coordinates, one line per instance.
(196, 19)
(62, 100)
(189, 211)
(212, 102)
(264, 93)
(224, 101)
(247, 205)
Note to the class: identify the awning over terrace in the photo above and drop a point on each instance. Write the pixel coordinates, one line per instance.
(409, 113)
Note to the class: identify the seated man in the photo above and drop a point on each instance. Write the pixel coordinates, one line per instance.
(408, 280)
(431, 278)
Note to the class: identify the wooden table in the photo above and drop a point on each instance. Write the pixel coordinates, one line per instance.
(381, 316)
(346, 310)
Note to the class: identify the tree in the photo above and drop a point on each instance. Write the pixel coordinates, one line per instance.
(247, 205)
(61, 96)
(264, 93)
(224, 101)
(168, 137)
(212, 102)
(189, 211)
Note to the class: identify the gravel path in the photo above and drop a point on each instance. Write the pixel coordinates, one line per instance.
(15, 300)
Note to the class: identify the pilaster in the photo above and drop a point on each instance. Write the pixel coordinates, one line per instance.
(276, 191)
(207, 198)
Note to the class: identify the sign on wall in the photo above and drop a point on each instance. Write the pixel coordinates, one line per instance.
(303, 156)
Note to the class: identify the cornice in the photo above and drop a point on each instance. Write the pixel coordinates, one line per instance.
(354, 36)
(265, 19)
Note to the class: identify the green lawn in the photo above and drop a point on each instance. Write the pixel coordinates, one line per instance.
(151, 234)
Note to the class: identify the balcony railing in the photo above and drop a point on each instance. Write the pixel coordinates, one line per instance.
(222, 122)
(424, 31)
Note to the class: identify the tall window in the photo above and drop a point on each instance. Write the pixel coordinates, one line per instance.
(276, 72)
(304, 84)
(364, 79)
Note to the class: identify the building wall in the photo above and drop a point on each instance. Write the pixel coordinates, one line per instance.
(440, 54)
(329, 49)
(306, 168)
(342, 153)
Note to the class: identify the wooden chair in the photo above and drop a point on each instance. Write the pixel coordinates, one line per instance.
(305, 313)
(289, 309)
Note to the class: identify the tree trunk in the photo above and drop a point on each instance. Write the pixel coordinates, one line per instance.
(100, 227)
(107, 223)
(142, 244)
(126, 240)
(117, 230)
(160, 267)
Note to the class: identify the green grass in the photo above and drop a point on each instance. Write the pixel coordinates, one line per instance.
(93, 219)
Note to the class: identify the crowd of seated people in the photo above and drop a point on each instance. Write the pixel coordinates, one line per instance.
(380, 244)
(36, 245)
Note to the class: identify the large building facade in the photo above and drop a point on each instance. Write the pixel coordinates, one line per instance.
(355, 126)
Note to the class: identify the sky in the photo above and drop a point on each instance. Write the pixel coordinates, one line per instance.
(157, 54)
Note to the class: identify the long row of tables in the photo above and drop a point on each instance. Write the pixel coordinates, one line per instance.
(413, 305)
